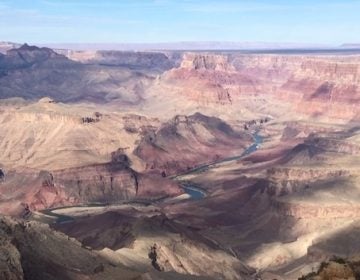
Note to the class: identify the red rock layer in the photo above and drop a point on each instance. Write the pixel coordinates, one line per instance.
(186, 142)
(24, 191)
(315, 85)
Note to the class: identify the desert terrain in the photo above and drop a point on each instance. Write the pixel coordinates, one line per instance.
(179, 164)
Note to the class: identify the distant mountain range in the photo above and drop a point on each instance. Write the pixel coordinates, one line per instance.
(5, 46)
(350, 46)
(181, 46)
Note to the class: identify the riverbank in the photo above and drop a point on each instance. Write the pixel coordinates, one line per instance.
(192, 191)
(197, 192)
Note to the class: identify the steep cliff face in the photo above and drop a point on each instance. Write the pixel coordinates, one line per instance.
(206, 62)
(33, 251)
(24, 191)
(313, 211)
(102, 183)
(315, 85)
(302, 174)
(210, 79)
(309, 172)
(342, 70)
(329, 87)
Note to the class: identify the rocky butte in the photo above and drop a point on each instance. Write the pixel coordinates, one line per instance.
(179, 165)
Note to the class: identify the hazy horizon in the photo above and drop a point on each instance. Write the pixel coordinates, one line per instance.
(200, 46)
(330, 23)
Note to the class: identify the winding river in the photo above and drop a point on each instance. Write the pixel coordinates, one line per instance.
(194, 191)
(197, 193)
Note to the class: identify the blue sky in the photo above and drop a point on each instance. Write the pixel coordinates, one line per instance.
(110, 21)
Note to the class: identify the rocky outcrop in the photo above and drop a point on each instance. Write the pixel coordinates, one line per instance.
(335, 268)
(313, 211)
(10, 260)
(304, 174)
(103, 183)
(287, 181)
(206, 62)
(157, 243)
(26, 56)
(137, 124)
(187, 141)
(33, 251)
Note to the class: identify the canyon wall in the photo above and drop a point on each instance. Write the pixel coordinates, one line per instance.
(25, 190)
(320, 85)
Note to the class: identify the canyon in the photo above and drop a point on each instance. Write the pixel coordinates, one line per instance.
(178, 164)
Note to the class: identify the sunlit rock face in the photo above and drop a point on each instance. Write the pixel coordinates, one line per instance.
(323, 86)
(230, 163)
(28, 190)
(316, 86)
(206, 62)
(187, 141)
